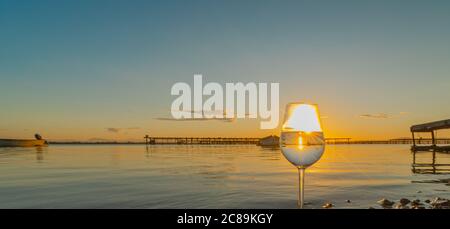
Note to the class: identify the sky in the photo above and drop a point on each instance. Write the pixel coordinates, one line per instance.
(93, 70)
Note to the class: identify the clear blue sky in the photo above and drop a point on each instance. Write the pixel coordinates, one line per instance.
(73, 69)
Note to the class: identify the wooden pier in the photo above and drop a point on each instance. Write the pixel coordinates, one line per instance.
(337, 140)
(400, 141)
(200, 141)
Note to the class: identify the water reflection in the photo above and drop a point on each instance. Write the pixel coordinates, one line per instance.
(431, 165)
(270, 153)
(121, 176)
(39, 154)
(17, 152)
(150, 151)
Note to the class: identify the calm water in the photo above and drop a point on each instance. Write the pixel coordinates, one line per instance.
(131, 176)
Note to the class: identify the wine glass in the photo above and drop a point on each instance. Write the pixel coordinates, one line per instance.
(302, 142)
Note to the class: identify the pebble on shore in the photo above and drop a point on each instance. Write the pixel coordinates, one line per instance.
(436, 203)
(440, 203)
(416, 202)
(404, 201)
(385, 202)
(328, 205)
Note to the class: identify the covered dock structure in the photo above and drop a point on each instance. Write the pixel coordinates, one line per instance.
(430, 127)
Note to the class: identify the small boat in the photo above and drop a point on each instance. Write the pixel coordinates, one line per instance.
(24, 142)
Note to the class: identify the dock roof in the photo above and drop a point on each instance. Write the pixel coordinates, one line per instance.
(428, 127)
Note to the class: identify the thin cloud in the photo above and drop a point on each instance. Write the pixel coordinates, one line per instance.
(375, 116)
(117, 130)
(113, 130)
(384, 115)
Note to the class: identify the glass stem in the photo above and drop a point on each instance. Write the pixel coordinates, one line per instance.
(301, 186)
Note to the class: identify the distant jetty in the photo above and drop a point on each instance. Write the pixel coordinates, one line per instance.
(200, 141)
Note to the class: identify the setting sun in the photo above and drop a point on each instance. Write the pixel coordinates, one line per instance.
(302, 117)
